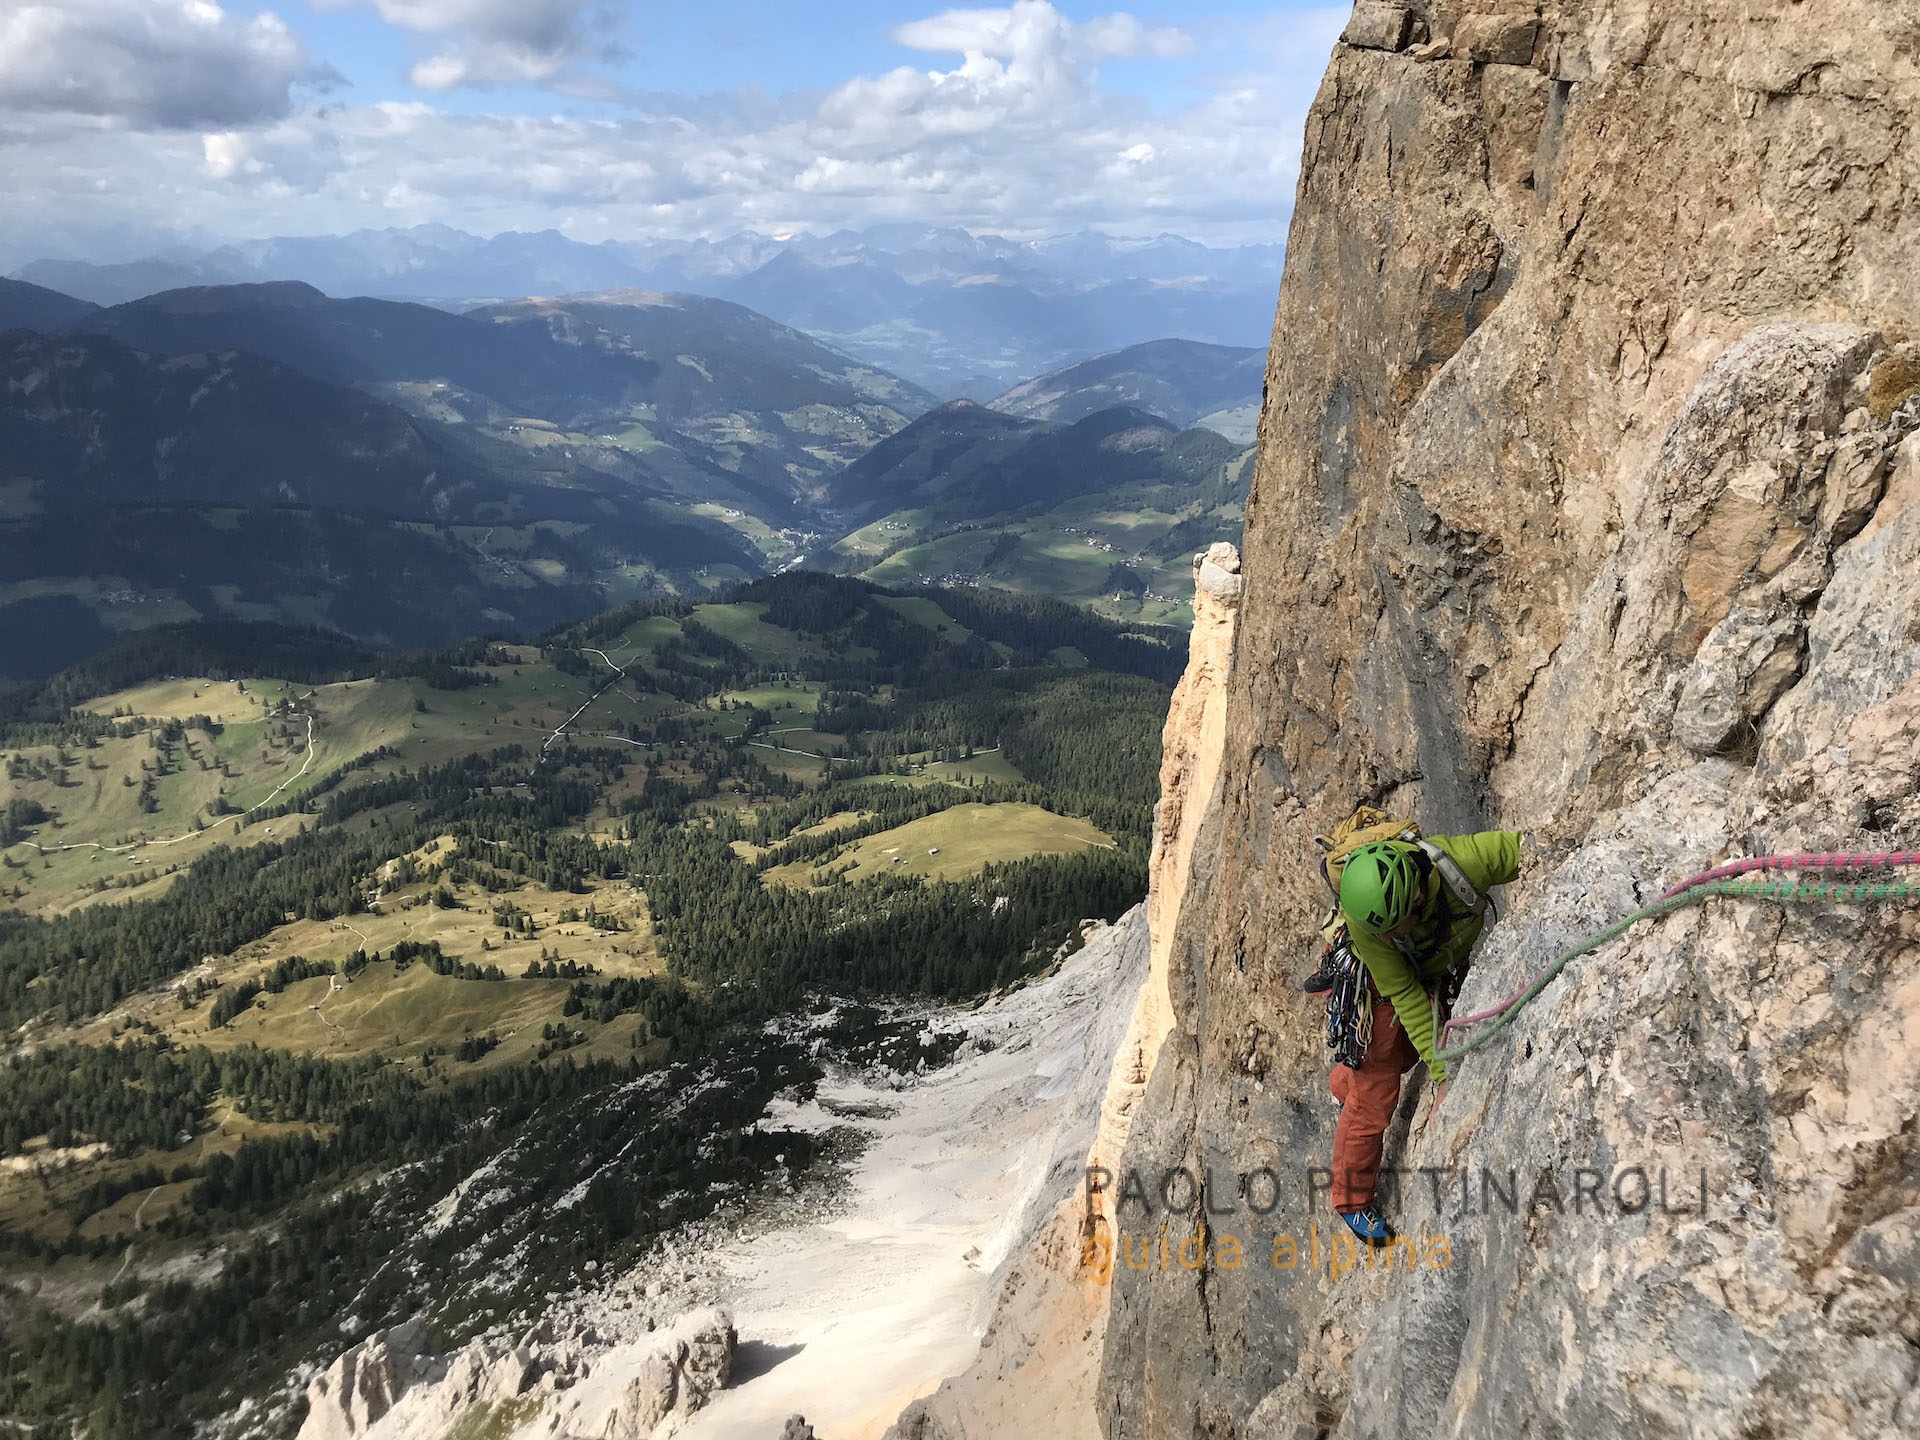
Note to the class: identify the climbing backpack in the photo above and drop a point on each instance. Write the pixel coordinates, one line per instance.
(1368, 826)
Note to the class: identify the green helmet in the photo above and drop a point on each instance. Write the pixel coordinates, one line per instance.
(1379, 886)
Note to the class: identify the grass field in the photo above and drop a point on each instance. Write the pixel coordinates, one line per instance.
(37, 1200)
(953, 844)
(985, 765)
(403, 1014)
(1070, 551)
(792, 705)
(840, 820)
(794, 763)
(927, 613)
(101, 833)
(870, 542)
(742, 623)
(645, 635)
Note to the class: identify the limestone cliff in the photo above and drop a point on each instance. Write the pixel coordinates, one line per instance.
(1038, 1359)
(1191, 745)
(1587, 503)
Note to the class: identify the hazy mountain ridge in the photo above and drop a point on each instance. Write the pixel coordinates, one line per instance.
(955, 312)
(772, 404)
(88, 421)
(140, 488)
(971, 461)
(34, 307)
(709, 399)
(1184, 381)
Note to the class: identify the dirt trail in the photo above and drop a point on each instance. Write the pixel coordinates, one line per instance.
(139, 1211)
(305, 766)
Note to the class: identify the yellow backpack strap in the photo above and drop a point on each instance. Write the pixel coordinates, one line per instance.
(1365, 826)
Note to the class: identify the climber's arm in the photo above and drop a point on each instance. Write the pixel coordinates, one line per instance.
(1490, 858)
(1397, 982)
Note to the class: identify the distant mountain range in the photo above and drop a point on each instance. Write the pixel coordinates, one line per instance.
(959, 314)
(709, 400)
(1183, 381)
(397, 471)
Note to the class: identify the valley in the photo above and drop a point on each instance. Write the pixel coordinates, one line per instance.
(291, 957)
(408, 475)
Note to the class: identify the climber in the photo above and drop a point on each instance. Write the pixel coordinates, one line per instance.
(1413, 913)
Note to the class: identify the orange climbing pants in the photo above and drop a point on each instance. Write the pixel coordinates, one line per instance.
(1367, 1099)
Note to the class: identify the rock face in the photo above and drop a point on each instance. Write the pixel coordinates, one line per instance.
(692, 1360)
(1588, 503)
(1191, 744)
(358, 1390)
(391, 1386)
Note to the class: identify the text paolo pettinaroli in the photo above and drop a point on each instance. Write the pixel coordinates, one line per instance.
(1180, 1219)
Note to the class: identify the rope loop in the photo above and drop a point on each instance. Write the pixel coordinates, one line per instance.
(1721, 880)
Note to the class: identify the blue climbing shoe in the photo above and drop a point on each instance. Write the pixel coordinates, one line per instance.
(1369, 1225)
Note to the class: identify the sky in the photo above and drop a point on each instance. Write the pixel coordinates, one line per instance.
(127, 121)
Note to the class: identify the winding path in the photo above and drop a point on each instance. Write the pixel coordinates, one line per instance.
(619, 673)
(333, 987)
(139, 1211)
(305, 766)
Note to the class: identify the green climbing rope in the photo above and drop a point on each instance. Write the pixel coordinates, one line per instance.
(1780, 891)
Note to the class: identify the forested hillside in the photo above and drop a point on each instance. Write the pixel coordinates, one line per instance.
(1108, 511)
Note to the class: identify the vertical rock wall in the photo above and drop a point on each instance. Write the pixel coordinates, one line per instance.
(1588, 502)
(1039, 1357)
(1192, 743)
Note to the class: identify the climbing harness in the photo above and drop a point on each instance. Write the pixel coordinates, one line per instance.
(1721, 880)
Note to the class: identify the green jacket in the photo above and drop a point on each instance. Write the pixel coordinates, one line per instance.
(1405, 970)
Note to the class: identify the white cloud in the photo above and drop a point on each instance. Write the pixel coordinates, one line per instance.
(1015, 135)
(1025, 70)
(1121, 37)
(154, 64)
(287, 160)
(502, 42)
(1028, 27)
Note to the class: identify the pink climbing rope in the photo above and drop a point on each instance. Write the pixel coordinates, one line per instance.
(1823, 860)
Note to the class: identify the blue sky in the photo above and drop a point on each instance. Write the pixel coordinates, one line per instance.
(773, 45)
(611, 118)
